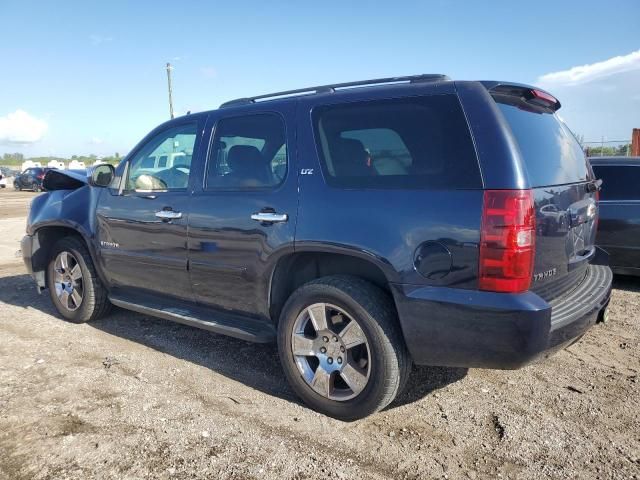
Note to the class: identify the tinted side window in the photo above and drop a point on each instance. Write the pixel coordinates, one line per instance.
(147, 173)
(416, 142)
(618, 182)
(248, 152)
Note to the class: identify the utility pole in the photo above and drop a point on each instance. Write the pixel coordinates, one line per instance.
(169, 68)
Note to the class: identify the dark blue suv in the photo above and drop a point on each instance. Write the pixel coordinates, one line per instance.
(364, 226)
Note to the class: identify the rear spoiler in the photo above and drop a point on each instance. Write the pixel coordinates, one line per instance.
(523, 96)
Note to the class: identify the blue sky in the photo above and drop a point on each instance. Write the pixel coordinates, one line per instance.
(81, 77)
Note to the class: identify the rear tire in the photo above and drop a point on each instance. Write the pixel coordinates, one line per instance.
(334, 370)
(74, 286)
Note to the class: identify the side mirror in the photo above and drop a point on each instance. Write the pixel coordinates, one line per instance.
(102, 175)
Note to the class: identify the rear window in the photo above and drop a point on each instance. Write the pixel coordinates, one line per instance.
(619, 182)
(416, 142)
(551, 153)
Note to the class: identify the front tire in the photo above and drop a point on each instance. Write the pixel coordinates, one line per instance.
(74, 286)
(341, 347)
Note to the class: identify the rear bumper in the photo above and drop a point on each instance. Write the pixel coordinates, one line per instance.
(469, 328)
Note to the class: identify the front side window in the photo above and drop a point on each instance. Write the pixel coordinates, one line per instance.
(247, 152)
(416, 142)
(164, 163)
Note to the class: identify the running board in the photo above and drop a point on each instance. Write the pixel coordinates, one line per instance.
(218, 322)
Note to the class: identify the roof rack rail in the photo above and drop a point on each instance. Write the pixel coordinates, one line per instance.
(425, 78)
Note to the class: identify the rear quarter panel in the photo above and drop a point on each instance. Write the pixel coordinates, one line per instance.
(385, 226)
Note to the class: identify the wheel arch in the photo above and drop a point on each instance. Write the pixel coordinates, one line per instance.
(302, 266)
(45, 236)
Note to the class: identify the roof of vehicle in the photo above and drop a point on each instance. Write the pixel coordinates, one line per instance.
(335, 87)
(349, 91)
(633, 161)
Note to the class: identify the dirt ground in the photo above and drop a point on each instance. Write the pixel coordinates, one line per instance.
(131, 397)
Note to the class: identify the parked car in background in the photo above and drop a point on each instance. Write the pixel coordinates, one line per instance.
(7, 172)
(619, 228)
(362, 226)
(30, 179)
(3, 181)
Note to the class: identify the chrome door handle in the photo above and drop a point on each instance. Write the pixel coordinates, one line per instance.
(270, 217)
(168, 214)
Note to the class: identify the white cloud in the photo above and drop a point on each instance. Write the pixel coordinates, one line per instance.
(587, 73)
(21, 128)
(603, 107)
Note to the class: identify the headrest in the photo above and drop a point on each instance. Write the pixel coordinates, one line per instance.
(243, 158)
(350, 159)
(352, 150)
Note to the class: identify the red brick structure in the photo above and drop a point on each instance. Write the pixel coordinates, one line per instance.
(635, 143)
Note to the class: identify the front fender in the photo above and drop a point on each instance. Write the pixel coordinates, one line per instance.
(70, 208)
(63, 209)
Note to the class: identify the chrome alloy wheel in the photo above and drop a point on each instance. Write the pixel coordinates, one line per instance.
(331, 352)
(67, 278)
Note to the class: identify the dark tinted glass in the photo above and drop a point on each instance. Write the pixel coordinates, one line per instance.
(416, 142)
(619, 182)
(551, 154)
(248, 152)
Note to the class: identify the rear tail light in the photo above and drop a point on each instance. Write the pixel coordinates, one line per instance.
(529, 96)
(507, 241)
(543, 98)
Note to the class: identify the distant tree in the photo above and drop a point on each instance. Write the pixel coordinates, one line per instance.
(624, 149)
(12, 158)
